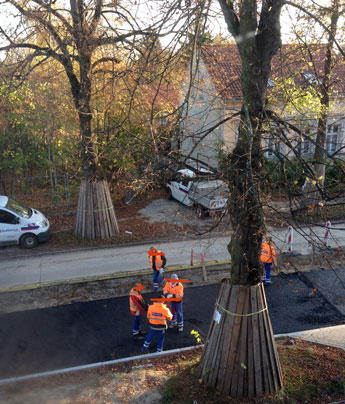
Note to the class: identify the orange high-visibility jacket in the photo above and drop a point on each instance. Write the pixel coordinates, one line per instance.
(176, 291)
(268, 254)
(157, 259)
(136, 302)
(158, 314)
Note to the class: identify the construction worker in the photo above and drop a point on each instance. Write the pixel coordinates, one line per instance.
(268, 256)
(137, 307)
(158, 262)
(175, 290)
(158, 314)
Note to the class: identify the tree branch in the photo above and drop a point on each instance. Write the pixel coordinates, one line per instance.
(230, 16)
(311, 15)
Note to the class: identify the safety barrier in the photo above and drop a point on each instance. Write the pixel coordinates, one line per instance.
(289, 238)
(328, 228)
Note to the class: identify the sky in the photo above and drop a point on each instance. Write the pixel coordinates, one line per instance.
(146, 11)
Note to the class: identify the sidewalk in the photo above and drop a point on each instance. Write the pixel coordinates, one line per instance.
(81, 264)
(330, 336)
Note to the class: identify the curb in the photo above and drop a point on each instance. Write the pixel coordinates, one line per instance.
(95, 365)
(132, 358)
(107, 246)
(117, 275)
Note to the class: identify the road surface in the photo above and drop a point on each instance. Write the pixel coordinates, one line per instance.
(83, 333)
(75, 264)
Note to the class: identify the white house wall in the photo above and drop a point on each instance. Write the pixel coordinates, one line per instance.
(201, 112)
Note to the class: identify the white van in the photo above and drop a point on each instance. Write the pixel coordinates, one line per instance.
(21, 225)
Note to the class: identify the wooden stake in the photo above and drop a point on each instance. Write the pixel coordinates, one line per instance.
(240, 357)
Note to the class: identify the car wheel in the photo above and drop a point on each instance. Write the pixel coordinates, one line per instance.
(29, 241)
(170, 197)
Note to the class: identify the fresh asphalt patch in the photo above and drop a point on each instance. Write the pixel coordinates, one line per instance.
(331, 283)
(82, 333)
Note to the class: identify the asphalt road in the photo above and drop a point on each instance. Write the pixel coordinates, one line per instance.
(33, 269)
(83, 333)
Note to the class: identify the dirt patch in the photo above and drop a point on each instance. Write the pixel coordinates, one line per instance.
(313, 374)
(150, 218)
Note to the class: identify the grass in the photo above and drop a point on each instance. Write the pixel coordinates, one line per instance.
(172, 390)
(312, 374)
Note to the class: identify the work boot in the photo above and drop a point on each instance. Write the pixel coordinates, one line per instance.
(180, 329)
(171, 325)
(142, 332)
(138, 337)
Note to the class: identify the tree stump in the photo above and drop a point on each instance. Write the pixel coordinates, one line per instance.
(96, 219)
(240, 357)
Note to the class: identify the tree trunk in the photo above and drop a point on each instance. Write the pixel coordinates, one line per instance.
(240, 358)
(96, 219)
(313, 193)
(244, 206)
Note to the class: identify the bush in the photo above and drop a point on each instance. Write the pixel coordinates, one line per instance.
(278, 176)
(335, 173)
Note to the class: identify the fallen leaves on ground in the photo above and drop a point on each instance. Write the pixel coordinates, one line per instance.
(313, 374)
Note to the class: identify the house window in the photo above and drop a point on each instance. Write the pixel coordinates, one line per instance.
(333, 128)
(305, 145)
(331, 144)
(273, 146)
(163, 121)
(332, 137)
(311, 78)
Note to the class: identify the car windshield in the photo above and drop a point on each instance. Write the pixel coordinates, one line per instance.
(18, 208)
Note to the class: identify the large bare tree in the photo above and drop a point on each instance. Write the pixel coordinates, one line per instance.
(82, 36)
(240, 358)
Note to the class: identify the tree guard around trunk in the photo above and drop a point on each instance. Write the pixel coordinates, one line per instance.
(240, 357)
(96, 219)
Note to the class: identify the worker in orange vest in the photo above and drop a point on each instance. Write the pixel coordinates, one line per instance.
(137, 308)
(268, 256)
(175, 290)
(158, 262)
(158, 314)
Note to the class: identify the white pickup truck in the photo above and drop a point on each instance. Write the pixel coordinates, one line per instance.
(208, 195)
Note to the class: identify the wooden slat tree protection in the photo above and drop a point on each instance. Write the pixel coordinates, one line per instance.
(240, 357)
(96, 219)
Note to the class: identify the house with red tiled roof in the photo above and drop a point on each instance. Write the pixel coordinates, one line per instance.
(215, 95)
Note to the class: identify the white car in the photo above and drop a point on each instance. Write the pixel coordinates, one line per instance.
(179, 186)
(21, 225)
(208, 195)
